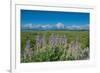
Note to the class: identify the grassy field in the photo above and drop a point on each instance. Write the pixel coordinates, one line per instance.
(57, 53)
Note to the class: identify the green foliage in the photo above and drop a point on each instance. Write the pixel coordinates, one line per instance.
(57, 53)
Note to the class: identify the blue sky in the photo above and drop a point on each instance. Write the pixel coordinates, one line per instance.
(34, 17)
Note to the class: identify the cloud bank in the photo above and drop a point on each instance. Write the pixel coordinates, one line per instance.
(59, 26)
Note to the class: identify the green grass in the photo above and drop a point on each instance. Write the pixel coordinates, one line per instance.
(58, 53)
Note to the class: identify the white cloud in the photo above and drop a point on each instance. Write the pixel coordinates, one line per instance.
(27, 26)
(36, 26)
(60, 25)
(46, 26)
(30, 26)
(77, 27)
